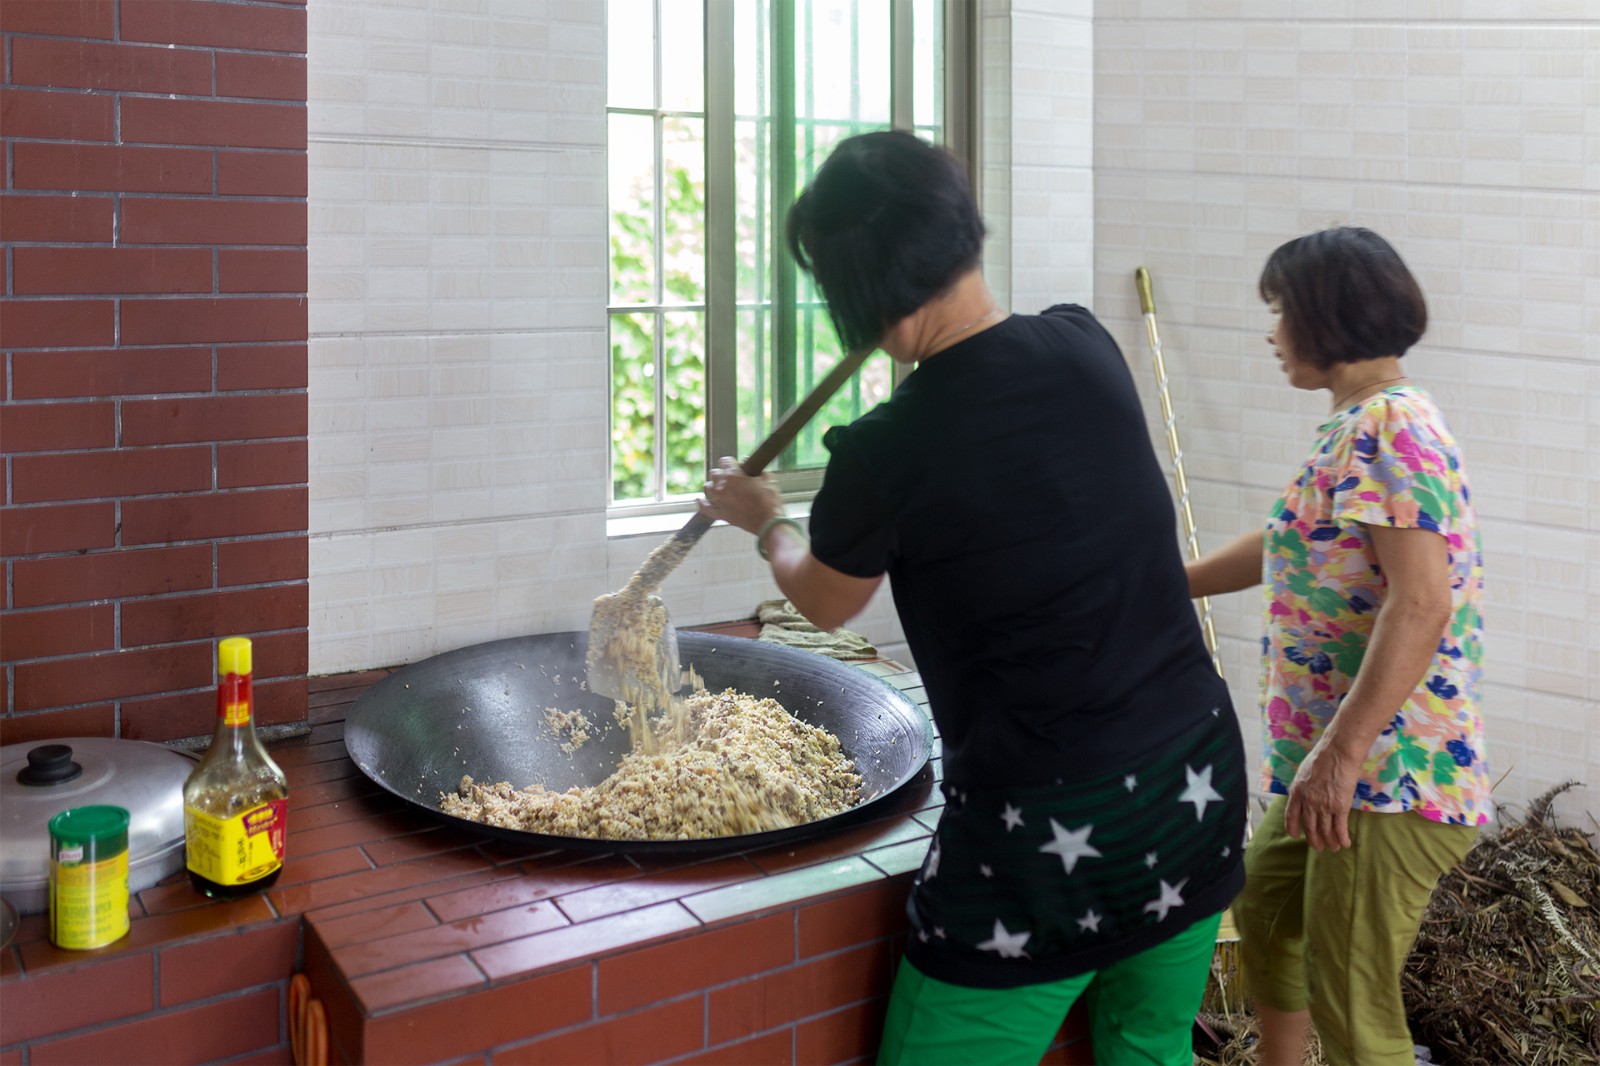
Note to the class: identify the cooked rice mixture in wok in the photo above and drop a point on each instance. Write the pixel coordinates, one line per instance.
(747, 766)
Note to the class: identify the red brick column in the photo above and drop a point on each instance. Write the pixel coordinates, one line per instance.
(154, 333)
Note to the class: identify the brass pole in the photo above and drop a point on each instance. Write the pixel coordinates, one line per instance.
(1147, 306)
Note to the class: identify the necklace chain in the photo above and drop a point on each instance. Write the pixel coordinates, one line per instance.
(934, 347)
(1339, 404)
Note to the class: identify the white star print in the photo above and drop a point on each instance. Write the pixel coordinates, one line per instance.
(1090, 922)
(1171, 896)
(1225, 852)
(1008, 944)
(1150, 860)
(938, 931)
(933, 863)
(1012, 817)
(1130, 782)
(1199, 791)
(1071, 845)
(922, 935)
(985, 869)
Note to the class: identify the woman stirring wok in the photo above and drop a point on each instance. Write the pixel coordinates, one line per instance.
(1093, 769)
(1370, 670)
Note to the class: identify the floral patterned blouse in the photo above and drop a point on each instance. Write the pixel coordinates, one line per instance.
(1388, 460)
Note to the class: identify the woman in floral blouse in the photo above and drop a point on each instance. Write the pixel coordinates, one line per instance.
(1373, 745)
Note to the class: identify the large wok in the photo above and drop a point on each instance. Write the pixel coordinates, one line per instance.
(479, 710)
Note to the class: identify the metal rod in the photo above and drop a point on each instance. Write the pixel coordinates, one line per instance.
(1147, 306)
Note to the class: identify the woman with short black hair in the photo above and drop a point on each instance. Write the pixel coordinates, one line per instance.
(1373, 743)
(1092, 765)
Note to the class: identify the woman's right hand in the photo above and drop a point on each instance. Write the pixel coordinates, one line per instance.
(1236, 565)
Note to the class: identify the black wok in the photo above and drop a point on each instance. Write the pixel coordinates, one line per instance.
(479, 710)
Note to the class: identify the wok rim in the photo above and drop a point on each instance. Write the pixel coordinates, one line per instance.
(359, 731)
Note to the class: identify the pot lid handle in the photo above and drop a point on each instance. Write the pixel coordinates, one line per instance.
(49, 764)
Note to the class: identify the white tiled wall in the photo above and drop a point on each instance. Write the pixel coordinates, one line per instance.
(458, 359)
(1466, 132)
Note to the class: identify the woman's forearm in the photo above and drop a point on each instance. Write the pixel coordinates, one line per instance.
(1234, 566)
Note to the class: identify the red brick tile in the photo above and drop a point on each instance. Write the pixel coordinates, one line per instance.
(63, 682)
(68, 631)
(215, 25)
(342, 769)
(207, 1033)
(415, 983)
(94, 991)
(54, 323)
(344, 1016)
(371, 956)
(110, 372)
(251, 562)
(848, 1035)
(262, 173)
(437, 841)
(711, 957)
(109, 168)
(334, 791)
(57, 116)
(589, 940)
(770, 1049)
(261, 77)
(133, 472)
(314, 892)
(51, 427)
(275, 366)
(175, 618)
(58, 527)
(311, 840)
(64, 18)
(854, 918)
(224, 123)
(205, 516)
(406, 894)
(184, 321)
(305, 872)
(653, 1035)
(230, 963)
(655, 887)
(811, 988)
(194, 419)
(255, 465)
(177, 221)
(304, 751)
(117, 67)
(99, 720)
(69, 219)
(489, 1018)
(261, 270)
(375, 924)
(73, 271)
(350, 809)
(503, 892)
(557, 876)
(190, 714)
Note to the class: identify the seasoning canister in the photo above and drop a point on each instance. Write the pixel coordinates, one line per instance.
(88, 876)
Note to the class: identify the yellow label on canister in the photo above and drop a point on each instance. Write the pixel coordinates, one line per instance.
(237, 850)
(88, 900)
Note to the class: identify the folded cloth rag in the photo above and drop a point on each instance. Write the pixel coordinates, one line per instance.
(782, 624)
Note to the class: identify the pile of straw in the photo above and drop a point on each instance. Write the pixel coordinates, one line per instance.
(1506, 967)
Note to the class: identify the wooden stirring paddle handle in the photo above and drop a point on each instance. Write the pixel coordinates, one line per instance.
(782, 435)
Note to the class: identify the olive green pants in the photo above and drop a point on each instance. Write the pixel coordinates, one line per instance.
(1330, 930)
(1141, 1011)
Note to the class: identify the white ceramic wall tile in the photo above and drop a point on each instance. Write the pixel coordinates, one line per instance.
(1467, 133)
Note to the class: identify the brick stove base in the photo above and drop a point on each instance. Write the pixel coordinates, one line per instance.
(428, 944)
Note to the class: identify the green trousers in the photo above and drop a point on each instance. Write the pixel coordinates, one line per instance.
(1141, 1011)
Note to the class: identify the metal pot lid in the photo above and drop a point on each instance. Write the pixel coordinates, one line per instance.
(145, 778)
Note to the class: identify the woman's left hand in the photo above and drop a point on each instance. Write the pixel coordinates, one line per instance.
(1319, 798)
(737, 498)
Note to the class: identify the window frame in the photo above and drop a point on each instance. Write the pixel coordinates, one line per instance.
(960, 115)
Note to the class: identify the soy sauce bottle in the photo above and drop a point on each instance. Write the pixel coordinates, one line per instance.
(236, 802)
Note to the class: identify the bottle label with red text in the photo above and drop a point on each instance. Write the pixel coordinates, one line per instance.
(237, 850)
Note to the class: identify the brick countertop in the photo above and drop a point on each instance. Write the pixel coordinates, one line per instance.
(428, 943)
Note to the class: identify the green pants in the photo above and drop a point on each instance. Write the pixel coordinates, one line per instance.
(1330, 930)
(1141, 1009)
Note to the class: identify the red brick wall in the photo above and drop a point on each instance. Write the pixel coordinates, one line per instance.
(154, 334)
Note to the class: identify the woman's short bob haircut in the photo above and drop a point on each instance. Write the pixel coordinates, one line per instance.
(887, 224)
(1345, 296)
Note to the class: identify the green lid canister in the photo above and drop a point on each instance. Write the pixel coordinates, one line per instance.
(88, 877)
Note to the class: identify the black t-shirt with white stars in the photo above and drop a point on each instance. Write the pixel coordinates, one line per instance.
(1091, 758)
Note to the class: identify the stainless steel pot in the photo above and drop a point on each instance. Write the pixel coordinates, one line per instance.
(39, 780)
(478, 710)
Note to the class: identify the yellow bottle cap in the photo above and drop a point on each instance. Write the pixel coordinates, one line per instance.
(233, 655)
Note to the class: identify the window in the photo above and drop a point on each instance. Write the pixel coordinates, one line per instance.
(719, 112)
